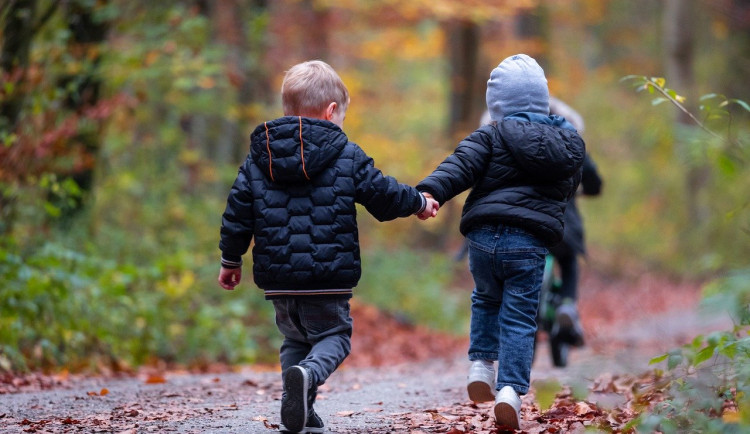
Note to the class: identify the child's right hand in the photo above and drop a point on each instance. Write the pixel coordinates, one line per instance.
(229, 277)
(431, 209)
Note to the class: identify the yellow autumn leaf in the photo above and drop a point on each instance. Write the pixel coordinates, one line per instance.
(731, 416)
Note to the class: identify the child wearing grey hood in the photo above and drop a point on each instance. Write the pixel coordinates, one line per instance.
(522, 169)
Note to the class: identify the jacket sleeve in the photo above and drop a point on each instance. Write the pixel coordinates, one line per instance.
(237, 222)
(591, 182)
(460, 170)
(383, 196)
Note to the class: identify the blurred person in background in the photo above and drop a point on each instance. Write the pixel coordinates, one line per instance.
(567, 326)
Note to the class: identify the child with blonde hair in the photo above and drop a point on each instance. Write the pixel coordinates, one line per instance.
(295, 195)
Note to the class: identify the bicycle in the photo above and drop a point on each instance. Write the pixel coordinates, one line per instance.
(549, 300)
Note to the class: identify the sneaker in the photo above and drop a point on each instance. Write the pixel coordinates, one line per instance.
(314, 425)
(481, 381)
(294, 399)
(567, 327)
(508, 408)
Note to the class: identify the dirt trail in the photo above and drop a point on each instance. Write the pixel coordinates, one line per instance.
(627, 323)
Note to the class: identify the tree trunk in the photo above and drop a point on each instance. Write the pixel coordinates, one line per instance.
(83, 92)
(466, 88)
(735, 83)
(532, 28)
(307, 39)
(14, 58)
(679, 46)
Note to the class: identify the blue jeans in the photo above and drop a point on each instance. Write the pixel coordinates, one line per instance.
(317, 334)
(507, 264)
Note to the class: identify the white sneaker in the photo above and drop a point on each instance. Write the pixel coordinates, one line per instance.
(508, 408)
(481, 382)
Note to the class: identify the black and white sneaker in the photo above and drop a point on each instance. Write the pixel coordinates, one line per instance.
(294, 399)
(314, 425)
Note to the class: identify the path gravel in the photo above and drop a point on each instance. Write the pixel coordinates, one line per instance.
(358, 400)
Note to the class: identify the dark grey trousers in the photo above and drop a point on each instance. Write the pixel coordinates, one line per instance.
(317, 334)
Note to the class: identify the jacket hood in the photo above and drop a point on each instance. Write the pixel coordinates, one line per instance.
(546, 146)
(516, 85)
(294, 149)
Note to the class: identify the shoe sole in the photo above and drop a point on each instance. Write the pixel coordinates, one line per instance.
(479, 391)
(294, 407)
(305, 430)
(506, 415)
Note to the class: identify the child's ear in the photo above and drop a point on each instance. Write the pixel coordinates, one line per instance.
(330, 110)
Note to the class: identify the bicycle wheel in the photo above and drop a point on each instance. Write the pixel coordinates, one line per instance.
(559, 351)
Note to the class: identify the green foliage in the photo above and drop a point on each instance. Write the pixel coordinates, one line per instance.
(709, 378)
(412, 284)
(647, 163)
(64, 307)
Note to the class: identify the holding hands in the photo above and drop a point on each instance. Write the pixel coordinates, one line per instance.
(431, 209)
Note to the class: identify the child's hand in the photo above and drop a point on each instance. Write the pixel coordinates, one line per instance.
(431, 209)
(229, 277)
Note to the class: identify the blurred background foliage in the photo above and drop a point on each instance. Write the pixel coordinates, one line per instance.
(123, 124)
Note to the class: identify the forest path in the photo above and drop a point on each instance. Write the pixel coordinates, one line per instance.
(627, 323)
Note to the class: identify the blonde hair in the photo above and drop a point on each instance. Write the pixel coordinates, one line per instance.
(309, 87)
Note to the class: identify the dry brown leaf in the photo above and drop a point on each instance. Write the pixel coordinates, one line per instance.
(155, 379)
(582, 408)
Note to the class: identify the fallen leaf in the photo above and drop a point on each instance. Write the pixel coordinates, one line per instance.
(155, 379)
(731, 417)
(345, 413)
(583, 408)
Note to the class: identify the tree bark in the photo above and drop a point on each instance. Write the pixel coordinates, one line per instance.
(679, 47)
(83, 92)
(466, 88)
(18, 32)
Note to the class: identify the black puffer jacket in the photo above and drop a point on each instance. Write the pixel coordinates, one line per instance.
(522, 174)
(296, 194)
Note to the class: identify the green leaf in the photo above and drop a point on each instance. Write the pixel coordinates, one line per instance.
(633, 77)
(673, 360)
(741, 103)
(657, 101)
(708, 96)
(730, 351)
(704, 354)
(658, 359)
(546, 391)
